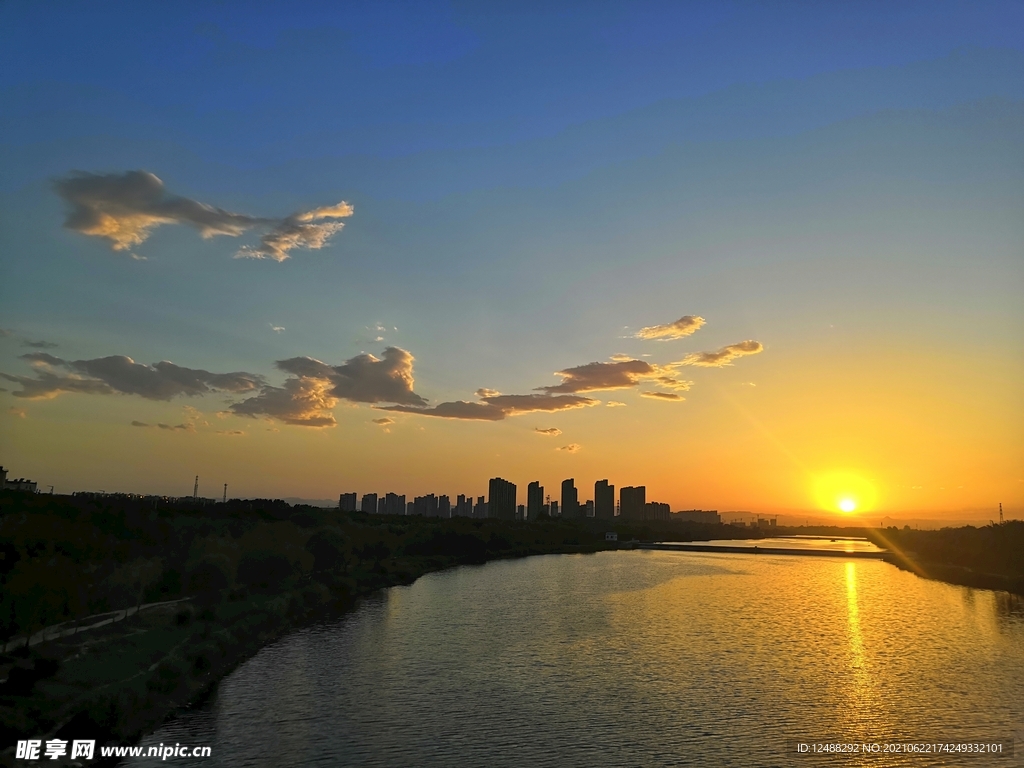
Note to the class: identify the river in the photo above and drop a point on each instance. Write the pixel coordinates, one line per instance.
(629, 658)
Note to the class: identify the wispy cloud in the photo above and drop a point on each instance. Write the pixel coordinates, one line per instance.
(21, 413)
(615, 404)
(551, 431)
(384, 421)
(277, 328)
(124, 208)
(723, 356)
(670, 396)
(39, 344)
(498, 407)
(570, 448)
(187, 427)
(684, 326)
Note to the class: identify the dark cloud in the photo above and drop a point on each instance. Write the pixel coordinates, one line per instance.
(124, 208)
(383, 422)
(122, 375)
(682, 327)
(39, 344)
(621, 374)
(723, 356)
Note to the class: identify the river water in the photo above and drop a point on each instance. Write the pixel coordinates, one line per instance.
(629, 658)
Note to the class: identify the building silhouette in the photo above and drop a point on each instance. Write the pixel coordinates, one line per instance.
(480, 509)
(698, 516)
(654, 510)
(570, 499)
(554, 510)
(369, 503)
(444, 507)
(501, 499)
(534, 500)
(633, 500)
(394, 504)
(604, 500)
(587, 508)
(347, 502)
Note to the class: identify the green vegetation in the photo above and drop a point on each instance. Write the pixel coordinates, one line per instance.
(251, 571)
(990, 557)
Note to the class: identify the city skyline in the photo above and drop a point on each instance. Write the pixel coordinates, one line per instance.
(749, 258)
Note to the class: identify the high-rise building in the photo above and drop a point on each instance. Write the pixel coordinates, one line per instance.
(501, 499)
(347, 502)
(463, 506)
(654, 510)
(604, 500)
(425, 505)
(534, 500)
(521, 512)
(570, 499)
(632, 502)
(554, 509)
(444, 507)
(369, 503)
(381, 509)
(394, 504)
(587, 508)
(410, 508)
(480, 509)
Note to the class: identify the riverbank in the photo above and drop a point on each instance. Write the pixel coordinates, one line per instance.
(245, 574)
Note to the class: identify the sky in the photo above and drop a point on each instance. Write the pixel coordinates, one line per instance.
(755, 256)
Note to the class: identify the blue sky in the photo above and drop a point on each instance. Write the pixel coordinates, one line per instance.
(531, 184)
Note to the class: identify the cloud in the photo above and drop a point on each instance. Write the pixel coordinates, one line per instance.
(383, 421)
(684, 326)
(304, 402)
(21, 413)
(663, 396)
(724, 356)
(615, 404)
(673, 383)
(277, 328)
(552, 431)
(118, 374)
(618, 357)
(124, 208)
(484, 392)
(570, 448)
(39, 344)
(311, 231)
(622, 374)
(188, 427)
(497, 407)
(363, 378)
(4, 333)
(458, 409)
(231, 432)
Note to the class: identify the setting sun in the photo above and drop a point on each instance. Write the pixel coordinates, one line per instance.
(844, 491)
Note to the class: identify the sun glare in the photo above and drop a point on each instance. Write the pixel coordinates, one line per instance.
(845, 492)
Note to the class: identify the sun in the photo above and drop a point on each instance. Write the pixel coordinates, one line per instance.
(844, 491)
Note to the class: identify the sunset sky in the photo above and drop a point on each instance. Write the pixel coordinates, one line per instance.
(756, 256)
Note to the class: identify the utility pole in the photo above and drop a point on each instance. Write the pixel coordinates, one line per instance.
(1000, 513)
(225, 493)
(195, 489)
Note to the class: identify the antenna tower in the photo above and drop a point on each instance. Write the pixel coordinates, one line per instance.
(1000, 513)
(195, 489)
(225, 493)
